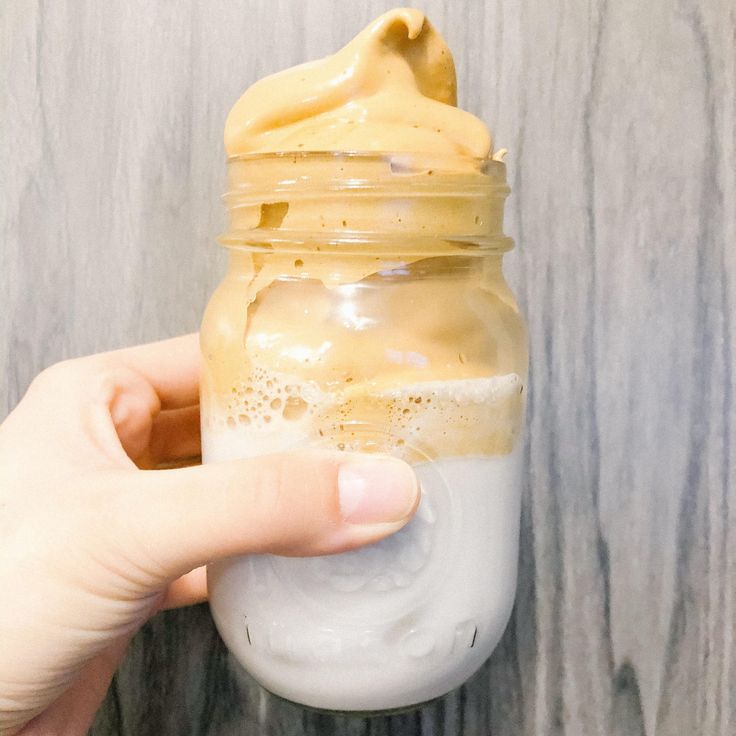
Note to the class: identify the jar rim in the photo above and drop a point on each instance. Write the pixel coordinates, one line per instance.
(356, 197)
(385, 245)
(379, 155)
(388, 171)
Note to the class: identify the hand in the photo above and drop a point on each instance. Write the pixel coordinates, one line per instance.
(93, 544)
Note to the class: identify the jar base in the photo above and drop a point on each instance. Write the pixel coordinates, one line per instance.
(356, 713)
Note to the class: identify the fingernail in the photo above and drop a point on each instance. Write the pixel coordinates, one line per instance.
(382, 489)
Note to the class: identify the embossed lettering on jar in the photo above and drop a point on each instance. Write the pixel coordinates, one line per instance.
(381, 323)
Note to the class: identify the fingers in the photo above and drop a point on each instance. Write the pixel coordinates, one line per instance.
(171, 521)
(175, 435)
(170, 366)
(134, 384)
(151, 437)
(168, 371)
(186, 590)
(142, 399)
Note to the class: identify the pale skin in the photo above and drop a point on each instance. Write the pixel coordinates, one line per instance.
(96, 537)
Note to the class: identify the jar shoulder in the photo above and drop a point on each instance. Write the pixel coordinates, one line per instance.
(443, 326)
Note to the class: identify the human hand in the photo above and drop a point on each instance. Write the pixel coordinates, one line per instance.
(95, 541)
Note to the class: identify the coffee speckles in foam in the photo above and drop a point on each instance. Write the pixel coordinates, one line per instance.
(272, 412)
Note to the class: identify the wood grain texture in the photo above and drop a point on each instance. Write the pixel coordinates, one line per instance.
(621, 121)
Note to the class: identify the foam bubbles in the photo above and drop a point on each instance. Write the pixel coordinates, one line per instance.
(443, 418)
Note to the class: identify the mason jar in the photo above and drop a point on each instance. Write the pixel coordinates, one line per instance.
(365, 309)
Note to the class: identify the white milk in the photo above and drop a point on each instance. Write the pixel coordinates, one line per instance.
(398, 622)
(393, 624)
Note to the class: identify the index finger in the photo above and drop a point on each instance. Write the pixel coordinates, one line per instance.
(170, 366)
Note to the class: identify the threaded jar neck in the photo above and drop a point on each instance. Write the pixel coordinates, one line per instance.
(348, 202)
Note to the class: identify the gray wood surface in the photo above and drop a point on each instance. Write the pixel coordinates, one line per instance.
(620, 120)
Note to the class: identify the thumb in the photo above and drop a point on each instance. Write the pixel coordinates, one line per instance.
(305, 503)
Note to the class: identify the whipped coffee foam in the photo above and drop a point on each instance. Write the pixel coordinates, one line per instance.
(392, 88)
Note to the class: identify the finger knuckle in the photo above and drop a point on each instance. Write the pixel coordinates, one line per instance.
(56, 374)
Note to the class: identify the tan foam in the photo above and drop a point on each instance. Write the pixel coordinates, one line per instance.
(473, 416)
(430, 323)
(392, 88)
(416, 198)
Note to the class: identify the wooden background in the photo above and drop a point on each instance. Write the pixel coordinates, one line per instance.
(620, 120)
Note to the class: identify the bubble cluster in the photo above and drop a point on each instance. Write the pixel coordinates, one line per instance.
(262, 400)
(452, 417)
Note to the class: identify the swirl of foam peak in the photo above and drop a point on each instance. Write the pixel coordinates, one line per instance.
(392, 88)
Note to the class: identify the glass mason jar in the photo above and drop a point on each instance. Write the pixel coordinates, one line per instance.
(365, 309)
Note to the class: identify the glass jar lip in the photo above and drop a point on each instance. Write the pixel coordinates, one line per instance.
(478, 162)
(391, 245)
(391, 198)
